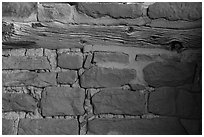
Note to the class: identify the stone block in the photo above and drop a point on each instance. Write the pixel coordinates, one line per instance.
(67, 77)
(106, 77)
(18, 102)
(192, 126)
(160, 74)
(155, 126)
(22, 62)
(7, 127)
(29, 79)
(59, 101)
(169, 101)
(189, 11)
(87, 63)
(117, 101)
(113, 10)
(70, 61)
(48, 127)
(103, 57)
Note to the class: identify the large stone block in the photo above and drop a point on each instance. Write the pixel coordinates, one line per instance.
(62, 101)
(103, 57)
(7, 127)
(29, 79)
(70, 61)
(106, 77)
(22, 62)
(176, 10)
(48, 127)
(160, 74)
(67, 77)
(117, 101)
(171, 101)
(155, 126)
(114, 10)
(18, 102)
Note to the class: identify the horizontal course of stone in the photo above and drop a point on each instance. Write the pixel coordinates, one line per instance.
(102, 68)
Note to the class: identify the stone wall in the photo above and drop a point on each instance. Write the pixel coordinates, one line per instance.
(102, 68)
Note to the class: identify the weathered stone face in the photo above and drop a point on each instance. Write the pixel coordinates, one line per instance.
(7, 127)
(170, 101)
(113, 10)
(103, 57)
(48, 127)
(167, 126)
(106, 77)
(176, 10)
(22, 62)
(70, 61)
(117, 101)
(18, 102)
(60, 101)
(29, 78)
(68, 77)
(168, 74)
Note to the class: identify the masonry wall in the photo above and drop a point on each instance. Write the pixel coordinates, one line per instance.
(84, 68)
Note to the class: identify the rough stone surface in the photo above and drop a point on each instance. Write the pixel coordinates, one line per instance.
(29, 79)
(106, 77)
(155, 126)
(30, 63)
(67, 77)
(87, 63)
(7, 127)
(117, 101)
(168, 74)
(62, 101)
(171, 101)
(176, 10)
(193, 127)
(114, 10)
(70, 61)
(18, 102)
(102, 57)
(48, 127)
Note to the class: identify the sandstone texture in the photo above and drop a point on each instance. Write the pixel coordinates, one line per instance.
(158, 126)
(59, 101)
(48, 127)
(29, 78)
(106, 77)
(117, 101)
(18, 102)
(160, 74)
(176, 10)
(113, 10)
